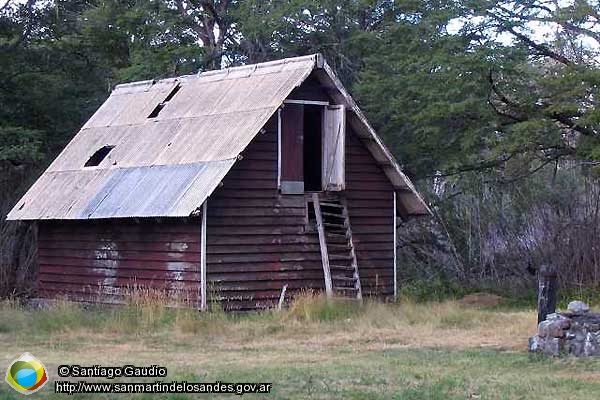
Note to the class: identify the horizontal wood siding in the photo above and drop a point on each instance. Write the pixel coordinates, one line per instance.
(256, 237)
(370, 198)
(106, 261)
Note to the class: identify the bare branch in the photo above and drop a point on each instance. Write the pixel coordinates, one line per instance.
(5, 6)
(542, 49)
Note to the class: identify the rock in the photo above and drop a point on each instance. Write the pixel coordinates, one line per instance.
(575, 331)
(551, 328)
(536, 344)
(590, 346)
(553, 347)
(575, 348)
(543, 328)
(578, 307)
(554, 317)
(564, 323)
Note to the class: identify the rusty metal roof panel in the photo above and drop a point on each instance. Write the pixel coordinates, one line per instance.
(149, 191)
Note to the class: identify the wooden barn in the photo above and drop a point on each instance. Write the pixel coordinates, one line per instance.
(227, 186)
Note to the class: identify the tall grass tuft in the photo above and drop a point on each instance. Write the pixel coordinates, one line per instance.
(310, 306)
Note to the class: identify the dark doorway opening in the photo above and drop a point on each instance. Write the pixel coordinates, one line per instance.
(312, 147)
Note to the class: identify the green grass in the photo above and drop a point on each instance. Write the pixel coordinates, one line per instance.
(314, 350)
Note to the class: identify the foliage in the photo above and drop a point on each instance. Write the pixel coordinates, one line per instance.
(478, 105)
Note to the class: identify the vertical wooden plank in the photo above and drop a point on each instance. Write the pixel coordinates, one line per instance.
(334, 142)
(323, 245)
(292, 149)
(282, 297)
(203, 302)
(279, 148)
(395, 250)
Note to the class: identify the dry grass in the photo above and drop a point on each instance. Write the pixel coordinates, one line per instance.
(436, 350)
(310, 319)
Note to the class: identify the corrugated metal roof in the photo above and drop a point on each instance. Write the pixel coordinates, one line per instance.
(169, 164)
(148, 191)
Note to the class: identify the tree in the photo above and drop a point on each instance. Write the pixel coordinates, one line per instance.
(268, 30)
(547, 102)
(426, 93)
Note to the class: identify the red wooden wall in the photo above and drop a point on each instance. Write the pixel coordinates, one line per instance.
(256, 236)
(370, 198)
(106, 260)
(257, 239)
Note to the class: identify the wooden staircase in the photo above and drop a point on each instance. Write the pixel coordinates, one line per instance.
(340, 267)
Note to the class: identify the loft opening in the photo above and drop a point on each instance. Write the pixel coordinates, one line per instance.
(312, 144)
(311, 147)
(98, 156)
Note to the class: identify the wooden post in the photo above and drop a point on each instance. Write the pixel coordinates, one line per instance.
(546, 291)
(203, 294)
(282, 297)
(323, 246)
(395, 250)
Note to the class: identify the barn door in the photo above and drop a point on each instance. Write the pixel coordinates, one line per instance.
(292, 149)
(334, 138)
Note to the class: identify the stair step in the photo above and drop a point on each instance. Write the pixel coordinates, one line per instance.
(345, 289)
(342, 267)
(339, 229)
(341, 235)
(334, 225)
(333, 215)
(344, 245)
(335, 235)
(343, 278)
(339, 251)
(338, 257)
(328, 204)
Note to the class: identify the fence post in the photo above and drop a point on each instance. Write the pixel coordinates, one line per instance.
(546, 291)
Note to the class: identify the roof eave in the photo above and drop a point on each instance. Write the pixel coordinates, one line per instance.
(365, 131)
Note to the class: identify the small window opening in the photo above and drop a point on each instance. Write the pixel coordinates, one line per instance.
(98, 156)
(162, 105)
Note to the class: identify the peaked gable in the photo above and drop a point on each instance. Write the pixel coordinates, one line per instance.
(170, 143)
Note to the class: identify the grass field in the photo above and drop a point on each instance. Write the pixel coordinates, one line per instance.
(313, 350)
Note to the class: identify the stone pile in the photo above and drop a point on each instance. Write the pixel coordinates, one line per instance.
(575, 332)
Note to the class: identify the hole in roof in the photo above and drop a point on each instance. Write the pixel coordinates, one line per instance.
(98, 156)
(21, 207)
(162, 105)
